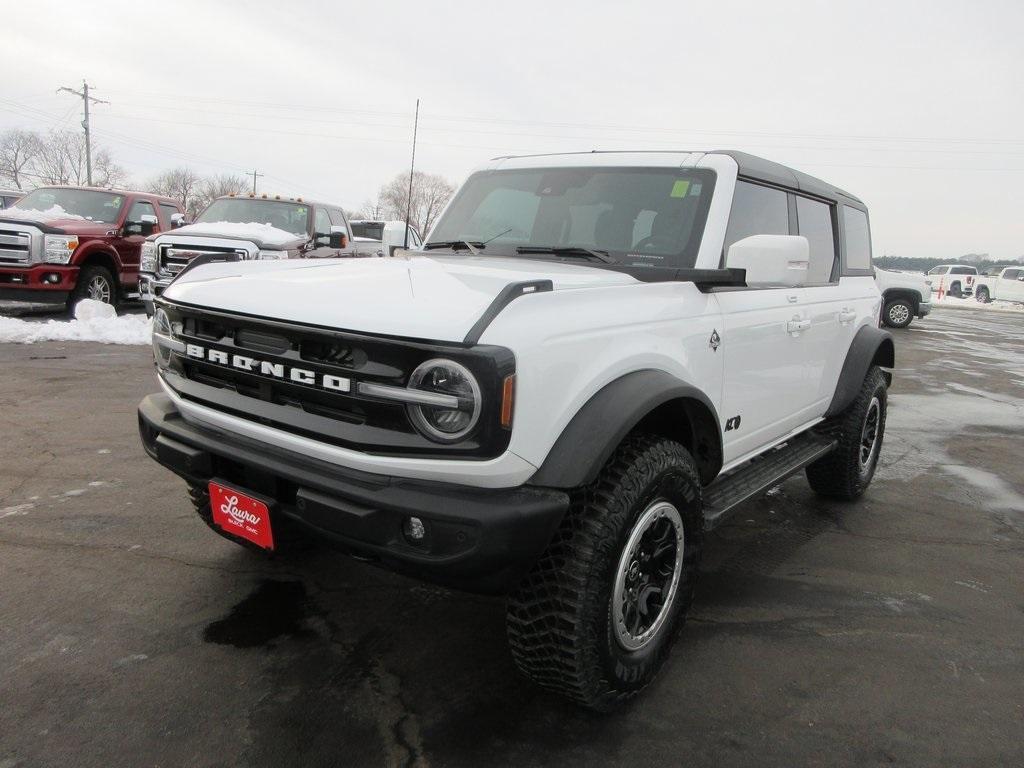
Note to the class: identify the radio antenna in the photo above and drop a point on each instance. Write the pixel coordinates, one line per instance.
(412, 170)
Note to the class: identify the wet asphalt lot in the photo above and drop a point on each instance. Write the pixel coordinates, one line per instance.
(890, 631)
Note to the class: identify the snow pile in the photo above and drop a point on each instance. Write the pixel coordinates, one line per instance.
(52, 213)
(261, 233)
(94, 321)
(970, 302)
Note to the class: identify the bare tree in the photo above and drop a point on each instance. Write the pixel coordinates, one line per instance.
(183, 184)
(19, 150)
(213, 187)
(61, 160)
(430, 193)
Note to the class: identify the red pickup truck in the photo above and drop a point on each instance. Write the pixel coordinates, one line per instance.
(62, 244)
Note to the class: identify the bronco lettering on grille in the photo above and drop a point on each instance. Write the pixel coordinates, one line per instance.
(266, 368)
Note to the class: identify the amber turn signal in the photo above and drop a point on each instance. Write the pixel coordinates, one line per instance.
(508, 396)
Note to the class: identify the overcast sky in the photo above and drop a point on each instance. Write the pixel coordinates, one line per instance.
(915, 107)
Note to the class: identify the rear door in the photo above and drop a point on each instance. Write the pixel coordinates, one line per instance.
(767, 389)
(830, 304)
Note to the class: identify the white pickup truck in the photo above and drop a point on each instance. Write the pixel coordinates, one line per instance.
(592, 360)
(904, 297)
(1008, 285)
(956, 280)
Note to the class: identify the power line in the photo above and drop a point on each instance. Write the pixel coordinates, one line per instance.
(86, 99)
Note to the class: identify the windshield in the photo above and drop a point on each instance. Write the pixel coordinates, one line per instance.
(290, 217)
(641, 217)
(372, 230)
(72, 204)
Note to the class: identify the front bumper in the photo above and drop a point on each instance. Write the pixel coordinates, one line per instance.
(151, 287)
(38, 283)
(924, 308)
(480, 540)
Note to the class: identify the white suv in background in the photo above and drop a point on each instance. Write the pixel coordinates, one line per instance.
(592, 360)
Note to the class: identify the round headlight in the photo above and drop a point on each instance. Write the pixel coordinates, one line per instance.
(455, 419)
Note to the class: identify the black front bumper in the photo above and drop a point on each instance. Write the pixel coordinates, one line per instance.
(481, 540)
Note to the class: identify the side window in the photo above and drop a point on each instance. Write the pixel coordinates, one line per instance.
(337, 217)
(168, 210)
(858, 238)
(937, 271)
(815, 223)
(142, 208)
(756, 210)
(323, 222)
(1011, 274)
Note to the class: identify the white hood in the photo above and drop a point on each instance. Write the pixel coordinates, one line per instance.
(424, 297)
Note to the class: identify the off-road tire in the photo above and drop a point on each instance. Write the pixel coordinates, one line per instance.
(841, 475)
(289, 538)
(560, 619)
(982, 295)
(955, 291)
(86, 276)
(898, 313)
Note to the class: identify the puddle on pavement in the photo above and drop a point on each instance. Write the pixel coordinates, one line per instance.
(274, 609)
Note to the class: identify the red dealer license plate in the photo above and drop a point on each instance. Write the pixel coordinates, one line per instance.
(241, 515)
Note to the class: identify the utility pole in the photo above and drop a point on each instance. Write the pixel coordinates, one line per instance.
(254, 175)
(86, 98)
(412, 170)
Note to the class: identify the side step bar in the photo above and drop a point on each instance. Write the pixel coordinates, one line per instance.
(761, 473)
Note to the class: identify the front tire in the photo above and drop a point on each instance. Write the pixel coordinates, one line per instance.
(595, 618)
(94, 282)
(847, 471)
(899, 313)
(955, 291)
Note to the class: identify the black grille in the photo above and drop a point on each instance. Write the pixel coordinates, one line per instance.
(269, 393)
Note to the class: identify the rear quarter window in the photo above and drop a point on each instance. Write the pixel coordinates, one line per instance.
(857, 237)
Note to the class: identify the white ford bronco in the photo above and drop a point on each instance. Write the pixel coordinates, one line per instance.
(593, 359)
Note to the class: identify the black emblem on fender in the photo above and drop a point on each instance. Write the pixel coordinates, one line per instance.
(714, 341)
(733, 423)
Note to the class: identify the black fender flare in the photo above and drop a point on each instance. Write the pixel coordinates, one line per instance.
(590, 437)
(871, 346)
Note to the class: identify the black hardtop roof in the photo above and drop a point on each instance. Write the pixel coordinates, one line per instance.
(760, 169)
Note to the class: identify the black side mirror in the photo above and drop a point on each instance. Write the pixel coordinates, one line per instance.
(338, 238)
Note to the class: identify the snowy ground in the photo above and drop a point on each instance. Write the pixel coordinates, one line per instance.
(950, 302)
(93, 322)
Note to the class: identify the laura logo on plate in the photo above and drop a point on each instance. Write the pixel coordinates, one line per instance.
(241, 516)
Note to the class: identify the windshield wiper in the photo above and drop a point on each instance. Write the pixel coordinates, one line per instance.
(472, 247)
(568, 250)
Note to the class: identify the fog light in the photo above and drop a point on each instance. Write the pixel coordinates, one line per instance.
(52, 277)
(414, 529)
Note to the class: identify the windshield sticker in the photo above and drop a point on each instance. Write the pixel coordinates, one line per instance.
(695, 189)
(680, 188)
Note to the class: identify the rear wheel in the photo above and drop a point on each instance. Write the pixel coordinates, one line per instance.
(847, 471)
(595, 618)
(983, 295)
(94, 282)
(898, 313)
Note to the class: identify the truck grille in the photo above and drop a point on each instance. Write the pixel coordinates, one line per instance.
(266, 392)
(14, 247)
(174, 258)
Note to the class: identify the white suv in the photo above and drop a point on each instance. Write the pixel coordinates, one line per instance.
(595, 357)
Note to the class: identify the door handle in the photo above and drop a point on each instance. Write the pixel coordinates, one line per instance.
(847, 315)
(797, 324)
